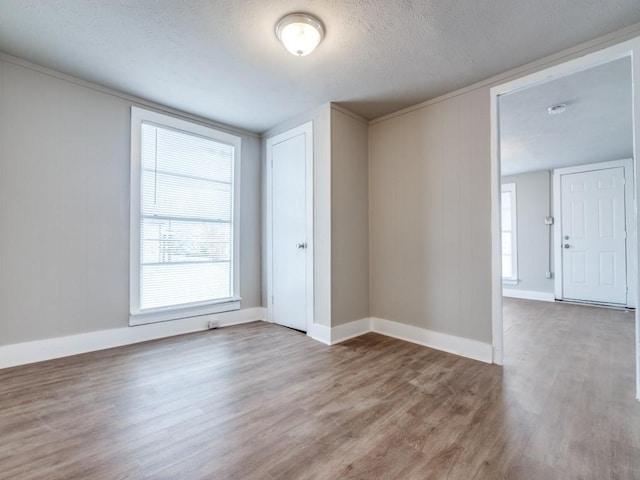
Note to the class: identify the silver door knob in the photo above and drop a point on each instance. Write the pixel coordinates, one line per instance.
(566, 245)
(301, 246)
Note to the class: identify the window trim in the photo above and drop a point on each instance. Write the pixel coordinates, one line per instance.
(511, 189)
(136, 315)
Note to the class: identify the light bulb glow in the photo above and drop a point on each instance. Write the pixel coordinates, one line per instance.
(300, 33)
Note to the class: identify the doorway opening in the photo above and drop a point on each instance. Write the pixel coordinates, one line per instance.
(564, 189)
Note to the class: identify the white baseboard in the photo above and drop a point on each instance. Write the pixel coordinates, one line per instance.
(440, 341)
(529, 294)
(320, 333)
(350, 330)
(341, 333)
(464, 347)
(40, 350)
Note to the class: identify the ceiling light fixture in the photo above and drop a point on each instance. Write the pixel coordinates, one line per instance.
(300, 33)
(557, 109)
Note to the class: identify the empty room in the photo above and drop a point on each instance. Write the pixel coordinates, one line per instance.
(319, 240)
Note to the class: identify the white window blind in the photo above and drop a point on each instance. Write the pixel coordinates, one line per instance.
(186, 219)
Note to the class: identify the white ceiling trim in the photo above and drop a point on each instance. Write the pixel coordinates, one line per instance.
(221, 60)
(580, 50)
(141, 102)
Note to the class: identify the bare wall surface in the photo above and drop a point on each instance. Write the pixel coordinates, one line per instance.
(430, 217)
(349, 218)
(533, 197)
(64, 208)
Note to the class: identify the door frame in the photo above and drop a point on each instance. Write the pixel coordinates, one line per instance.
(307, 130)
(630, 224)
(605, 52)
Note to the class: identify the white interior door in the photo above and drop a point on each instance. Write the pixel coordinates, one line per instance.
(594, 236)
(289, 243)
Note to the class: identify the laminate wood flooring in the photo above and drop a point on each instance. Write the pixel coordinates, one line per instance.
(259, 401)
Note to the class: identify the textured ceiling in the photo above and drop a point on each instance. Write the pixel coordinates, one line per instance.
(597, 125)
(220, 58)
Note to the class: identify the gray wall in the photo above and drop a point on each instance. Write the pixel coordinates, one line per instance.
(430, 204)
(349, 218)
(533, 204)
(64, 207)
(64, 226)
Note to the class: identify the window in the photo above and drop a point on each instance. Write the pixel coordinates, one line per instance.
(184, 219)
(509, 236)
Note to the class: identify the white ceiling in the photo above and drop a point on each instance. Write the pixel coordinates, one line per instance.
(597, 125)
(220, 58)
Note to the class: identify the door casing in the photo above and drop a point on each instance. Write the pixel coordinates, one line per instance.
(307, 130)
(603, 51)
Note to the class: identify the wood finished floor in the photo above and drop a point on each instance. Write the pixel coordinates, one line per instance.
(262, 402)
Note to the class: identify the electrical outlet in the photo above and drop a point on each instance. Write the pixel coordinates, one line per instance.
(213, 324)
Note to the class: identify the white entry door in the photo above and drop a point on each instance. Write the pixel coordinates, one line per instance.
(594, 236)
(288, 157)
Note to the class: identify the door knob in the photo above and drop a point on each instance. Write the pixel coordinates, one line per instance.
(301, 246)
(566, 245)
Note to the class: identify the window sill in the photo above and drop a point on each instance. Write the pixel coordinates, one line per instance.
(510, 281)
(165, 315)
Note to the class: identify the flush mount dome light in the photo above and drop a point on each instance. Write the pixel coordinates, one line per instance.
(300, 33)
(557, 109)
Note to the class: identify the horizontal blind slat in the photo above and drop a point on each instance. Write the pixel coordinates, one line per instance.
(186, 214)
